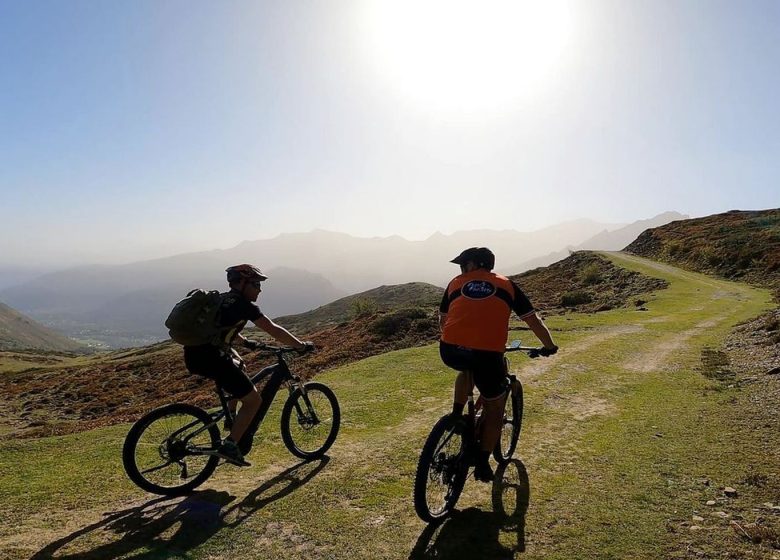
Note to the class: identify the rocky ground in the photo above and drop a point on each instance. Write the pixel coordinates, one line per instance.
(748, 367)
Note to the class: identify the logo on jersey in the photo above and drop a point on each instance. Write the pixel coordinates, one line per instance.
(478, 289)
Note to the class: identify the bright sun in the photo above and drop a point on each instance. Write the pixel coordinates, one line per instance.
(467, 57)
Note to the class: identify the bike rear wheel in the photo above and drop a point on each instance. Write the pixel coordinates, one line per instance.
(165, 452)
(310, 421)
(441, 472)
(510, 427)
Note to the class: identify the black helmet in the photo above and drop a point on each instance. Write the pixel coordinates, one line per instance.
(481, 256)
(244, 272)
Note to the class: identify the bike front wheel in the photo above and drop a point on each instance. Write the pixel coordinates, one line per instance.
(168, 450)
(511, 424)
(310, 421)
(441, 472)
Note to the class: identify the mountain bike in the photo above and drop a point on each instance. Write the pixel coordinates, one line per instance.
(173, 449)
(453, 444)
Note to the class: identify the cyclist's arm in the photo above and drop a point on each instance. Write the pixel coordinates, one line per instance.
(442, 320)
(279, 333)
(525, 310)
(444, 308)
(540, 330)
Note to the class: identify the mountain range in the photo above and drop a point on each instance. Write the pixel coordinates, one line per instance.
(125, 305)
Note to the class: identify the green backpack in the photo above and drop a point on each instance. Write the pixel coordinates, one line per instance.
(193, 321)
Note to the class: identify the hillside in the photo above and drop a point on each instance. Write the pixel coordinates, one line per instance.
(739, 245)
(383, 298)
(585, 282)
(606, 240)
(18, 332)
(118, 386)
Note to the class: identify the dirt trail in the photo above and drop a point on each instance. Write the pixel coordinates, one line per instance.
(653, 358)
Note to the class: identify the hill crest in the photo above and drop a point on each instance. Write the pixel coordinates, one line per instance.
(737, 245)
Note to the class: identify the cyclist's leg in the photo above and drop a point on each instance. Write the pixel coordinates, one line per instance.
(250, 404)
(492, 420)
(491, 382)
(464, 385)
(460, 359)
(232, 378)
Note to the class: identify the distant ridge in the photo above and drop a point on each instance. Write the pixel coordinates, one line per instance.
(606, 240)
(18, 332)
(740, 245)
(383, 298)
(125, 305)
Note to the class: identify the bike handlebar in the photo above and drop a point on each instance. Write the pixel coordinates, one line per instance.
(283, 349)
(532, 351)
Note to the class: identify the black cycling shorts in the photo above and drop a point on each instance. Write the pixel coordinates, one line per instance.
(488, 368)
(229, 373)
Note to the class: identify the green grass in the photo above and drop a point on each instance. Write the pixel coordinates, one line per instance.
(615, 452)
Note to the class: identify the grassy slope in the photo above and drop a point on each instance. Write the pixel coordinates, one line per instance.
(412, 294)
(20, 332)
(620, 430)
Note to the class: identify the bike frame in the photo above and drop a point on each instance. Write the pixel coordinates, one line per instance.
(473, 407)
(278, 374)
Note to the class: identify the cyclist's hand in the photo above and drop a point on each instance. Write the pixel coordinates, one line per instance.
(308, 346)
(548, 351)
(251, 344)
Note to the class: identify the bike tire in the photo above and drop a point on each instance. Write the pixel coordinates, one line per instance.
(510, 427)
(305, 440)
(161, 423)
(451, 470)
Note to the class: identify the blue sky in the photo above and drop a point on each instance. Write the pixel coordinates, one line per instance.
(141, 129)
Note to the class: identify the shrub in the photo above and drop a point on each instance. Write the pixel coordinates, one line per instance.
(397, 321)
(575, 297)
(363, 307)
(673, 248)
(712, 259)
(591, 274)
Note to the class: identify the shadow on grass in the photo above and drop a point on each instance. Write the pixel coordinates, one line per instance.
(473, 533)
(165, 527)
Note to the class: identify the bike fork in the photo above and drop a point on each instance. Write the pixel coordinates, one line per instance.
(310, 413)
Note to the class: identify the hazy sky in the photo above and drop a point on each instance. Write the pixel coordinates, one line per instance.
(146, 128)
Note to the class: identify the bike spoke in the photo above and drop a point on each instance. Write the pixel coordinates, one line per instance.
(442, 472)
(164, 440)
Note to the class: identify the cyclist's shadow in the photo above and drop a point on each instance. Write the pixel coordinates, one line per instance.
(472, 531)
(162, 527)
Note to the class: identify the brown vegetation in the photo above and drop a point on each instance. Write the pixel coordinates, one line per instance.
(584, 282)
(120, 386)
(738, 245)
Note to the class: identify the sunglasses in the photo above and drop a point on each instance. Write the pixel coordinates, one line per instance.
(256, 284)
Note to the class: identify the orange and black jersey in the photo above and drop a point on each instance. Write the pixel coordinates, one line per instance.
(478, 305)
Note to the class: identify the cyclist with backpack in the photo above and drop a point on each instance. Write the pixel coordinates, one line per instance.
(474, 320)
(218, 360)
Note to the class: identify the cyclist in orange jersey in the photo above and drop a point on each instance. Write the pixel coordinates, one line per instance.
(474, 321)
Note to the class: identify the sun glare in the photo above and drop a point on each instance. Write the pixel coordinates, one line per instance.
(466, 57)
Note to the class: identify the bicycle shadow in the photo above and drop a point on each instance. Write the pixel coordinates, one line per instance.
(165, 527)
(473, 533)
(274, 489)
